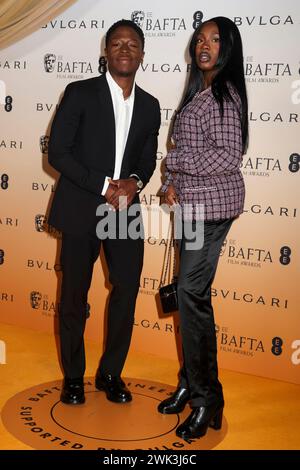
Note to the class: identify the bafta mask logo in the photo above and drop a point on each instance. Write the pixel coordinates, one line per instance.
(102, 64)
(35, 299)
(49, 62)
(44, 143)
(40, 221)
(223, 248)
(137, 17)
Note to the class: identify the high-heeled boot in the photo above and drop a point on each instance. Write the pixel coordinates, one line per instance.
(197, 422)
(176, 403)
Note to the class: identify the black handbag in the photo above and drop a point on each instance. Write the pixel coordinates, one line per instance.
(168, 292)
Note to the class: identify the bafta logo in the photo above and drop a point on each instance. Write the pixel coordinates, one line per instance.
(137, 17)
(44, 142)
(40, 221)
(35, 299)
(49, 62)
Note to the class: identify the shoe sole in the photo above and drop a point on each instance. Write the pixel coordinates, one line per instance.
(73, 402)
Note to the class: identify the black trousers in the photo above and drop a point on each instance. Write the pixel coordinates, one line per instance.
(199, 373)
(124, 259)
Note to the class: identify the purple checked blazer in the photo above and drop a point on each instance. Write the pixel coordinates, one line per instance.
(204, 166)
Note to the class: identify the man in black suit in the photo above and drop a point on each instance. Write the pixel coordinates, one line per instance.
(103, 142)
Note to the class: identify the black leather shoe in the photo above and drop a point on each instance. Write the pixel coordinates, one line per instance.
(176, 403)
(197, 422)
(114, 388)
(73, 392)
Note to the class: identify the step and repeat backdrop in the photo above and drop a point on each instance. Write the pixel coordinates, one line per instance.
(256, 290)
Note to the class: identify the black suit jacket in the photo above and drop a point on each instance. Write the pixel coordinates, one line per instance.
(82, 149)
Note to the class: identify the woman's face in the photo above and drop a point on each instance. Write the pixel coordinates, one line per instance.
(207, 48)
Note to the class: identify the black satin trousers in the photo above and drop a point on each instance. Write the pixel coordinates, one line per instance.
(199, 373)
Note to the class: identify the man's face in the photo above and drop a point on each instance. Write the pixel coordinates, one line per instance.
(124, 52)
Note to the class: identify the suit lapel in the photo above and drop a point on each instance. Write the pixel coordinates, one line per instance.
(137, 116)
(107, 118)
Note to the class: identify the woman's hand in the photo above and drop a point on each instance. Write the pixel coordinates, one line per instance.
(171, 196)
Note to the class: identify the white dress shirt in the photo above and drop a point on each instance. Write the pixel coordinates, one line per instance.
(123, 114)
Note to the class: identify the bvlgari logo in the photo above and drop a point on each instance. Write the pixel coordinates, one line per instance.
(263, 20)
(165, 67)
(250, 298)
(11, 144)
(13, 64)
(158, 26)
(9, 222)
(282, 117)
(273, 211)
(71, 24)
(42, 264)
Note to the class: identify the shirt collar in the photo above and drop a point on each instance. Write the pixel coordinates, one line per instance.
(117, 89)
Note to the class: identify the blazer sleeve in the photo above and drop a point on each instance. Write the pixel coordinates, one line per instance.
(146, 163)
(62, 140)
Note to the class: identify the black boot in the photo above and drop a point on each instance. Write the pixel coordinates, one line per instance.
(175, 403)
(200, 418)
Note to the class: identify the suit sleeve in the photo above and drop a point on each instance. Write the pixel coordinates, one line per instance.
(146, 164)
(62, 139)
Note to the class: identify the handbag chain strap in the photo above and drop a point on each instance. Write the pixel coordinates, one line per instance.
(167, 258)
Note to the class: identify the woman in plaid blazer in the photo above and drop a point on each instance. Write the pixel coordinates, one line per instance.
(203, 177)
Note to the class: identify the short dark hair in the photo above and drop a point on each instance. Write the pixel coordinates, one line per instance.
(128, 24)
